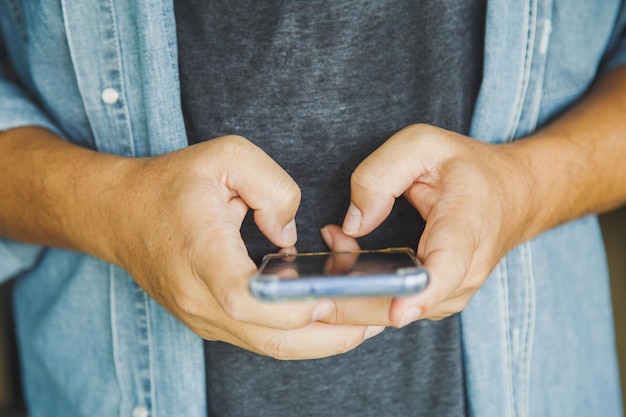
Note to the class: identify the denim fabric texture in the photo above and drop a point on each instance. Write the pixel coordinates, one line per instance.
(538, 336)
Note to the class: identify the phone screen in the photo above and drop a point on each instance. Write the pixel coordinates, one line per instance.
(384, 272)
(338, 263)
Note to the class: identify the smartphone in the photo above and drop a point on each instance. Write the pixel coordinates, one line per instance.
(390, 272)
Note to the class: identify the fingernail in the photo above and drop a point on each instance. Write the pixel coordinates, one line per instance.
(411, 315)
(322, 311)
(290, 234)
(373, 331)
(328, 239)
(352, 222)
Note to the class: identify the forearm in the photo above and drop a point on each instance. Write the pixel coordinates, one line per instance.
(577, 163)
(51, 191)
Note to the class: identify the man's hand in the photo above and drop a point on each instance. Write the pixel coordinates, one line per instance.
(472, 196)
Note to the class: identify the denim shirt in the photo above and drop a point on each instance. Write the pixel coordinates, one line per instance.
(537, 337)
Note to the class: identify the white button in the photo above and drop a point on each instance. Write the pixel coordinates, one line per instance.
(110, 95)
(140, 411)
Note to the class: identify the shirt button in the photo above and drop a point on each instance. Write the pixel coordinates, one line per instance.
(110, 95)
(140, 411)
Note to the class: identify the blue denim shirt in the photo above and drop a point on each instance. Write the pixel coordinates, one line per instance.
(538, 336)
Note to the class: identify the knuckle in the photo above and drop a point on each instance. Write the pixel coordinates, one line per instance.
(235, 140)
(427, 131)
(236, 147)
(415, 133)
(417, 138)
(227, 142)
(364, 176)
(291, 194)
(416, 129)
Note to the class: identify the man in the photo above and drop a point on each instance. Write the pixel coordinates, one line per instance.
(105, 77)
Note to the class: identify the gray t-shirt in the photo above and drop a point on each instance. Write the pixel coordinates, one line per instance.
(320, 85)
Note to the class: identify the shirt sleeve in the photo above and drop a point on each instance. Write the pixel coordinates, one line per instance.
(616, 51)
(16, 258)
(17, 109)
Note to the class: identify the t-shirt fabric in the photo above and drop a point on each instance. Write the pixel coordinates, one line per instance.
(319, 86)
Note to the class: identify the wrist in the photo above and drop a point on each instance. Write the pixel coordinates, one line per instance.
(57, 194)
(104, 203)
(552, 173)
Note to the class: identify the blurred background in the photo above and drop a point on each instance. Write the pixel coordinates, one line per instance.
(11, 404)
(613, 225)
(614, 229)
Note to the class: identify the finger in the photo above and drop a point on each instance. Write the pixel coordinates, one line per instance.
(369, 311)
(318, 340)
(447, 248)
(337, 241)
(267, 189)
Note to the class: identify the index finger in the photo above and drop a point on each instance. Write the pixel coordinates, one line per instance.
(267, 189)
